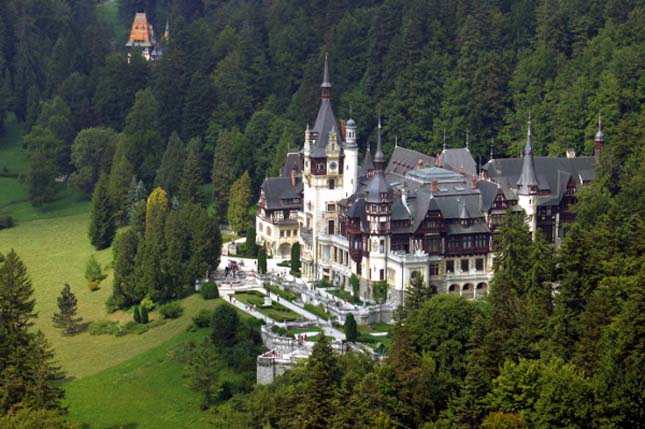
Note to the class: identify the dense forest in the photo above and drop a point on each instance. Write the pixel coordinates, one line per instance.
(236, 86)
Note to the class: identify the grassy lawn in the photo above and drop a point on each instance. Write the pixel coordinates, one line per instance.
(146, 391)
(277, 312)
(317, 310)
(13, 194)
(55, 251)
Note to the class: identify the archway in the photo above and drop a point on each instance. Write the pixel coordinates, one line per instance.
(468, 291)
(453, 290)
(285, 250)
(482, 290)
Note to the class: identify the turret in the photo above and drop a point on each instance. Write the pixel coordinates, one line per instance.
(325, 86)
(599, 141)
(378, 195)
(308, 141)
(527, 184)
(350, 179)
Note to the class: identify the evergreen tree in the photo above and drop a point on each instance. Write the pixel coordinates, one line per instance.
(222, 174)
(92, 155)
(316, 408)
(136, 314)
(417, 293)
(137, 192)
(295, 258)
(149, 278)
(224, 326)
(203, 372)
(190, 184)
(144, 314)
(262, 260)
(250, 246)
(238, 205)
(172, 164)
(351, 328)
(121, 175)
(197, 107)
(67, 305)
(124, 291)
(27, 374)
(102, 223)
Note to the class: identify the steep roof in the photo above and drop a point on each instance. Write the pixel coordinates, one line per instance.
(325, 121)
(456, 159)
(294, 159)
(528, 179)
(368, 164)
(404, 160)
(277, 190)
(141, 32)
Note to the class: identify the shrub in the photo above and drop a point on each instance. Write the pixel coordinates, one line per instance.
(93, 286)
(209, 291)
(289, 296)
(171, 310)
(147, 302)
(203, 319)
(102, 327)
(323, 284)
(317, 310)
(6, 222)
(367, 339)
(136, 315)
(279, 330)
(351, 329)
(296, 273)
(144, 314)
(93, 272)
(132, 327)
(286, 263)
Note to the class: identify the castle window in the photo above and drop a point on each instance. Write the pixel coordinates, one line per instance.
(331, 184)
(434, 269)
(382, 247)
(381, 275)
(450, 266)
(331, 207)
(479, 264)
(464, 265)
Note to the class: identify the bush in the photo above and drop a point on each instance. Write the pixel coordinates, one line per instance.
(367, 339)
(144, 314)
(323, 284)
(103, 327)
(317, 310)
(279, 330)
(147, 302)
(136, 315)
(203, 319)
(132, 328)
(286, 263)
(93, 271)
(171, 310)
(351, 329)
(296, 273)
(6, 222)
(209, 291)
(93, 286)
(282, 293)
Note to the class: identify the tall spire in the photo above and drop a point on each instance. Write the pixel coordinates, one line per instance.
(444, 139)
(599, 140)
(467, 134)
(491, 148)
(528, 182)
(378, 157)
(325, 86)
(600, 136)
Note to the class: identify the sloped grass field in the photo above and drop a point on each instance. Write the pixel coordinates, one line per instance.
(147, 391)
(14, 194)
(55, 251)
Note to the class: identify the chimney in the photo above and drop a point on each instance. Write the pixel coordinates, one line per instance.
(599, 141)
(571, 153)
(473, 182)
(420, 164)
(435, 185)
(293, 175)
(437, 162)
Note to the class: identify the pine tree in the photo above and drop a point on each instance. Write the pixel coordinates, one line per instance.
(417, 293)
(295, 258)
(136, 314)
(190, 185)
(121, 175)
(262, 260)
(222, 174)
(102, 224)
(26, 370)
(197, 106)
(67, 306)
(124, 291)
(203, 370)
(351, 328)
(172, 165)
(238, 205)
(144, 314)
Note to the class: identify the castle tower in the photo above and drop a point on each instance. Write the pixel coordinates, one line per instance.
(141, 36)
(599, 141)
(350, 149)
(378, 208)
(527, 184)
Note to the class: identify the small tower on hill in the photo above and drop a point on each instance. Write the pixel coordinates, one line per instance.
(142, 36)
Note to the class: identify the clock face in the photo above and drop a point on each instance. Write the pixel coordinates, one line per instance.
(332, 165)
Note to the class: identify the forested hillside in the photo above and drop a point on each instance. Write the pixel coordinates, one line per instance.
(244, 75)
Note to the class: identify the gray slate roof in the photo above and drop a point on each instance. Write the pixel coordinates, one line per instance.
(278, 189)
(455, 159)
(404, 160)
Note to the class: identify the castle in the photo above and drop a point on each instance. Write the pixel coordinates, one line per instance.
(419, 215)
